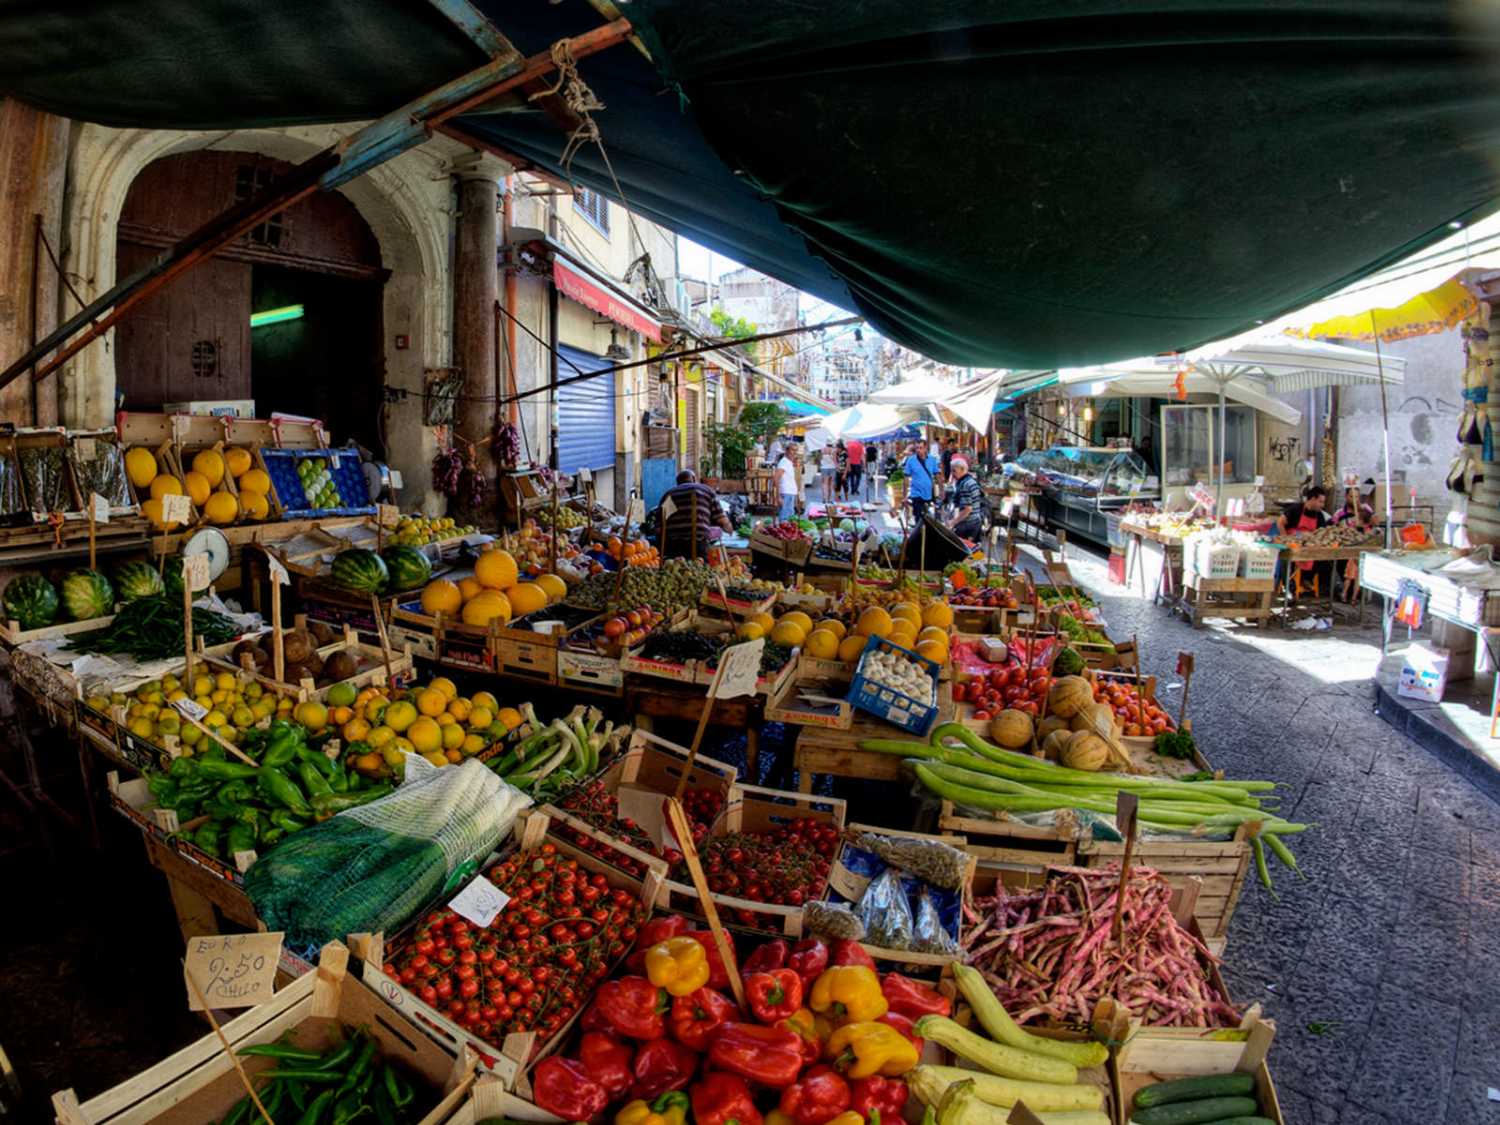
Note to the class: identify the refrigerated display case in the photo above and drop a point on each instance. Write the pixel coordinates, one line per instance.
(1083, 487)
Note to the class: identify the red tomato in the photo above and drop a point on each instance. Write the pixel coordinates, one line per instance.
(998, 677)
(982, 715)
(1031, 707)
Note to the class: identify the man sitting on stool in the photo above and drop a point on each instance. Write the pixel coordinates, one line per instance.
(677, 533)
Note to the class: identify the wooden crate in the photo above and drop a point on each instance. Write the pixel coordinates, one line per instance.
(442, 639)
(1218, 866)
(402, 666)
(12, 633)
(650, 765)
(710, 599)
(753, 808)
(526, 660)
(490, 1101)
(1246, 599)
(512, 1060)
(588, 671)
(291, 432)
(767, 684)
(322, 601)
(1150, 1055)
(784, 706)
(793, 552)
(996, 839)
(846, 885)
(199, 1082)
(133, 800)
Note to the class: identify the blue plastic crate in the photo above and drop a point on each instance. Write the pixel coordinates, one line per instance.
(348, 479)
(915, 715)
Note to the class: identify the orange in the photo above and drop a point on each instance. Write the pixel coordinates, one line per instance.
(425, 735)
(509, 716)
(341, 715)
(441, 596)
(354, 730)
(432, 702)
(496, 569)
(479, 718)
(486, 700)
(400, 716)
(472, 744)
(459, 708)
(311, 714)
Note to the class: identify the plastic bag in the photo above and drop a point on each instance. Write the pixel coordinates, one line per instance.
(929, 934)
(833, 920)
(885, 913)
(372, 867)
(11, 501)
(45, 473)
(99, 466)
(930, 860)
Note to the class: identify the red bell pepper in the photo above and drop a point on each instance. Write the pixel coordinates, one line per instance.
(630, 1006)
(847, 952)
(697, 1017)
(771, 1056)
(878, 1099)
(819, 1096)
(912, 998)
(905, 1025)
(775, 995)
(718, 975)
(808, 958)
(723, 1099)
(662, 1065)
(771, 955)
(563, 1086)
(652, 933)
(607, 1061)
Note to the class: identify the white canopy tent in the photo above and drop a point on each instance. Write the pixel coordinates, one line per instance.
(1248, 371)
(866, 420)
(971, 402)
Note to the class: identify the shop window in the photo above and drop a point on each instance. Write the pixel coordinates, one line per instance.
(593, 207)
(250, 181)
(1191, 439)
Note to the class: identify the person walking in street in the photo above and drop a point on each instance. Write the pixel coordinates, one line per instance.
(921, 469)
(788, 487)
(856, 450)
(841, 489)
(968, 501)
(827, 466)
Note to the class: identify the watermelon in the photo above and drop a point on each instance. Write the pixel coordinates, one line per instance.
(87, 594)
(360, 570)
(171, 576)
(30, 601)
(137, 580)
(407, 566)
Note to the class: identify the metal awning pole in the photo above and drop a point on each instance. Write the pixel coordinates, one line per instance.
(1385, 433)
(1223, 426)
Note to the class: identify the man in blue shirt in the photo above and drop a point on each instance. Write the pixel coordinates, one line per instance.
(921, 469)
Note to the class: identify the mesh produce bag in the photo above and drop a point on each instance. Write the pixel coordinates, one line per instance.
(373, 867)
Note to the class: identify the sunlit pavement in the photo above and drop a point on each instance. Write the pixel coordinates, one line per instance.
(1382, 968)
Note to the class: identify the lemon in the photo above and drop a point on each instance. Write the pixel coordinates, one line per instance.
(311, 714)
(445, 685)
(215, 719)
(472, 744)
(399, 716)
(380, 736)
(425, 735)
(242, 717)
(225, 680)
(436, 757)
(459, 709)
(487, 701)
(454, 736)
(191, 735)
(141, 727)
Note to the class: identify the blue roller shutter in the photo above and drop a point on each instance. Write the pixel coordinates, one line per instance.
(585, 413)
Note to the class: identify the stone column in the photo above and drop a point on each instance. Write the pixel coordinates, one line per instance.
(475, 290)
(33, 165)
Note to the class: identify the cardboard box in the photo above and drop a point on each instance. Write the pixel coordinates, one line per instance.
(218, 408)
(1424, 673)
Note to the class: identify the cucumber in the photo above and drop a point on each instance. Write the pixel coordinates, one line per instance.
(1243, 1121)
(1200, 1112)
(1185, 1089)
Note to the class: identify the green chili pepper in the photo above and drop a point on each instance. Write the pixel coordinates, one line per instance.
(297, 1092)
(342, 1054)
(313, 781)
(221, 770)
(325, 764)
(304, 1074)
(338, 802)
(361, 1065)
(285, 821)
(315, 1108)
(269, 836)
(283, 791)
(206, 838)
(281, 1051)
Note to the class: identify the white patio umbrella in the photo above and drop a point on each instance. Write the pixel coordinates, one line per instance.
(1249, 371)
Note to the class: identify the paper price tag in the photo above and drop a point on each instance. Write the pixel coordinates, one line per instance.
(480, 902)
(585, 476)
(1125, 809)
(397, 482)
(232, 970)
(668, 508)
(635, 511)
(195, 572)
(278, 571)
(191, 709)
(176, 509)
(1020, 1115)
(101, 508)
(389, 515)
(739, 668)
(87, 448)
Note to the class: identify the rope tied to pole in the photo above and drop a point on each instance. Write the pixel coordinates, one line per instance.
(577, 96)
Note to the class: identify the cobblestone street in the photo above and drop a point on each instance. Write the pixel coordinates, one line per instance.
(1382, 968)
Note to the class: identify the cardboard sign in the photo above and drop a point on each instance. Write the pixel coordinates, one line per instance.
(232, 970)
(739, 668)
(1020, 1115)
(101, 508)
(86, 448)
(668, 508)
(635, 512)
(396, 482)
(278, 572)
(176, 508)
(190, 708)
(1184, 664)
(585, 476)
(388, 514)
(1125, 809)
(195, 572)
(647, 809)
(480, 902)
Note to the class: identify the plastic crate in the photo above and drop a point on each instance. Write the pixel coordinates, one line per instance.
(915, 715)
(344, 467)
(1257, 562)
(1218, 560)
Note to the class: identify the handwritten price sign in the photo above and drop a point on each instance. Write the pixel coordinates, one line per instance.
(232, 970)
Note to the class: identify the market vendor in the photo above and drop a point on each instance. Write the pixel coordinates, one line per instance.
(1359, 512)
(1300, 518)
(968, 500)
(693, 501)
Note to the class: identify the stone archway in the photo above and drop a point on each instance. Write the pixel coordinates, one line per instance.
(406, 202)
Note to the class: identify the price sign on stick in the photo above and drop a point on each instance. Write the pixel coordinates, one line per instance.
(100, 507)
(480, 902)
(668, 508)
(195, 573)
(635, 512)
(231, 970)
(739, 669)
(279, 575)
(388, 515)
(176, 508)
(1125, 810)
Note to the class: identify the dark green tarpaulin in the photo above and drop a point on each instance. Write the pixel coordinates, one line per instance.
(1008, 184)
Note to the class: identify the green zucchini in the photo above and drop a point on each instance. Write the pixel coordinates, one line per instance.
(1243, 1121)
(1199, 1112)
(1186, 1089)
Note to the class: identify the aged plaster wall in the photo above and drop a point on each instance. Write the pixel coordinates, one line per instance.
(407, 203)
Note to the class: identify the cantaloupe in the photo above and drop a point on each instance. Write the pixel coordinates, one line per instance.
(1011, 729)
(1068, 696)
(1085, 750)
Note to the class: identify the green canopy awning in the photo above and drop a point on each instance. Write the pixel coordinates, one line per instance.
(1019, 184)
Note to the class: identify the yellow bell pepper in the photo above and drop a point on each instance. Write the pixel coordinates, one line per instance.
(867, 1048)
(776, 1117)
(668, 1109)
(848, 994)
(679, 964)
(848, 1117)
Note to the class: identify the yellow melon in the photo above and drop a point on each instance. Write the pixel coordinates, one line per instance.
(834, 626)
(209, 462)
(254, 505)
(764, 620)
(444, 685)
(198, 487)
(935, 651)
(221, 508)
(875, 622)
(496, 570)
(850, 647)
(799, 618)
(165, 485)
(939, 614)
(526, 597)
(909, 611)
(237, 461)
(554, 586)
(256, 480)
(822, 644)
(750, 631)
(788, 633)
(486, 607)
(441, 596)
(933, 633)
(488, 702)
(140, 466)
(469, 587)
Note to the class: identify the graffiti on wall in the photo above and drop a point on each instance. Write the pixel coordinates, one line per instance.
(1284, 449)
